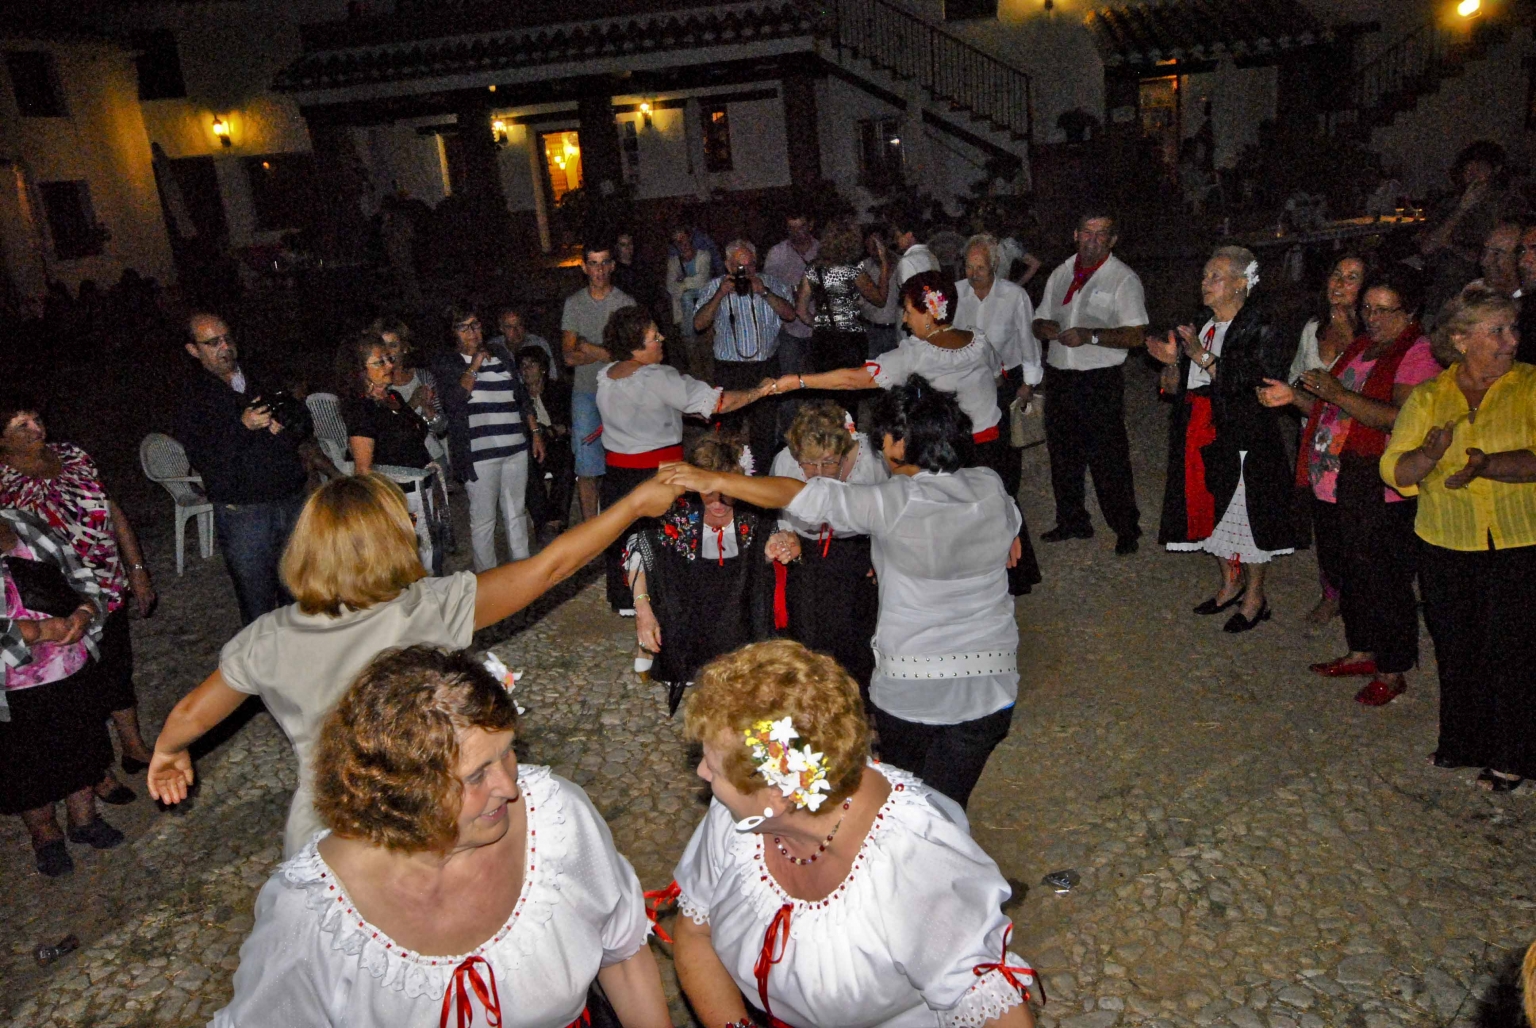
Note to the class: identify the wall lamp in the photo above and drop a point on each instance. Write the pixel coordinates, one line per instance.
(499, 131)
(1469, 8)
(221, 129)
(645, 112)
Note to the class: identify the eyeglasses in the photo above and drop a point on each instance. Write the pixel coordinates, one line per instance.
(216, 341)
(382, 362)
(467, 326)
(826, 464)
(1372, 312)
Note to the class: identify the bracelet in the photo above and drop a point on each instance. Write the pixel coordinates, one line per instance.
(136, 566)
(802, 380)
(642, 596)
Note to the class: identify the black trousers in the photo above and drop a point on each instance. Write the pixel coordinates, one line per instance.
(1327, 540)
(550, 499)
(616, 484)
(1085, 433)
(760, 418)
(1379, 556)
(1478, 605)
(949, 758)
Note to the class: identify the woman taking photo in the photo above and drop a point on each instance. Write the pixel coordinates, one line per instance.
(822, 889)
(830, 293)
(384, 430)
(53, 735)
(352, 565)
(700, 579)
(1229, 480)
(942, 537)
(415, 385)
(642, 401)
(954, 361)
(1325, 336)
(453, 883)
(59, 484)
(1365, 530)
(1463, 445)
(830, 602)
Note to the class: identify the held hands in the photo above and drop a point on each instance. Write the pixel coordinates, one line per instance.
(170, 776)
(1477, 463)
(687, 478)
(1275, 393)
(783, 547)
(655, 495)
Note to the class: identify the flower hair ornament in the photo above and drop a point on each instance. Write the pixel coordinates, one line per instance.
(505, 675)
(935, 302)
(799, 775)
(1251, 273)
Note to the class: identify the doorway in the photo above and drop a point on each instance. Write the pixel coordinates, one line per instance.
(562, 162)
(1158, 109)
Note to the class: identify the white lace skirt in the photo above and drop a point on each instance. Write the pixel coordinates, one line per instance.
(1232, 537)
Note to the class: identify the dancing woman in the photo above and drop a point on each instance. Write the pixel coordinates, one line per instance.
(942, 536)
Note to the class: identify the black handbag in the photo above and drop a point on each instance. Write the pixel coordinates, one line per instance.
(42, 587)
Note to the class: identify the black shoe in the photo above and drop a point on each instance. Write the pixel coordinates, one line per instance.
(132, 766)
(1127, 545)
(1061, 533)
(121, 796)
(53, 859)
(1237, 623)
(1492, 782)
(1210, 606)
(98, 835)
(1448, 763)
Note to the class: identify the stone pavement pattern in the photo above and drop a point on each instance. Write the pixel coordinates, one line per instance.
(1255, 850)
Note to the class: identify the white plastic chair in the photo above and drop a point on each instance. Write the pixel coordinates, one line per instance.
(330, 429)
(164, 461)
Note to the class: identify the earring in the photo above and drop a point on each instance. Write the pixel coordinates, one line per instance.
(747, 824)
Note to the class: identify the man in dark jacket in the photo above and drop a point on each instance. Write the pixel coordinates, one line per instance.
(243, 436)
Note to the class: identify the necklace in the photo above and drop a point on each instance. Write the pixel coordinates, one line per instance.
(806, 861)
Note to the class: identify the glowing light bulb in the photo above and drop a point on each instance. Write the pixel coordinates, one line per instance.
(1469, 8)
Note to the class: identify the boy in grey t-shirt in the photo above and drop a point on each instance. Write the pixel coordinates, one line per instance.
(581, 327)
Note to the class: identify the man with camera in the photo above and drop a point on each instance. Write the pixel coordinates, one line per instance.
(243, 436)
(747, 310)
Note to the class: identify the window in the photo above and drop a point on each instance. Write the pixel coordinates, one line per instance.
(71, 221)
(717, 139)
(629, 145)
(880, 151)
(35, 82)
(159, 64)
(282, 190)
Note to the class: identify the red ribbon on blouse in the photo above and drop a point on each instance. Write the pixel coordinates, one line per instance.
(774, 941)
(1009, 972)
(457, 995)
(1080, 277)
(654, 901)
(780, 596)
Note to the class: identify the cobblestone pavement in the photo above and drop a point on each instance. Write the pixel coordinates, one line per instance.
(1254, 849)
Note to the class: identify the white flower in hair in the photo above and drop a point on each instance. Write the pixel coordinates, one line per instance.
(744, 462)
(783, 731)
(503, 674)
(1251, 273)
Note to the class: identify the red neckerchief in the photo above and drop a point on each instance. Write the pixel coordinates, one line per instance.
(1080, 277)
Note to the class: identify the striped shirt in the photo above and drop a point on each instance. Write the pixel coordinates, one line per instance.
(746, 327)
(496, 427)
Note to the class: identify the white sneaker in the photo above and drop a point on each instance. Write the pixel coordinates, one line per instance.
(626, 612)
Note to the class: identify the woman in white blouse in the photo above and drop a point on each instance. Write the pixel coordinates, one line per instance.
(451, 883)
(942, 538)
(958, 361)
(823, 889)
(642, 402)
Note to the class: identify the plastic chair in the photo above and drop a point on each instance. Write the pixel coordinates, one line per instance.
(165, 461)
(330, 429)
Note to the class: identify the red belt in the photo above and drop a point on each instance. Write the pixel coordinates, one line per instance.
(647, 459)
(985, 436)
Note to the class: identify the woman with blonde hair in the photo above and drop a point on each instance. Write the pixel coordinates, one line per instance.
(830, 293)
(353, 568)
(430, 819)
(828, 889)
(1464, 443)
(825, 596)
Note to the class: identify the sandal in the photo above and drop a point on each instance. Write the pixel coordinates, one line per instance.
(1492, 781)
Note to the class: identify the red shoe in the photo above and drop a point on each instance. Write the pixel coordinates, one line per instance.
(1379, 693)
(1343, 668)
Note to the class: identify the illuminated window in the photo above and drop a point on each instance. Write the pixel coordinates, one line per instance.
(35, 82)
(717, 139)
(562, 158)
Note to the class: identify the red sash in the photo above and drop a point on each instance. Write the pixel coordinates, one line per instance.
(985, 436)
(647, 459)
(1199, 503)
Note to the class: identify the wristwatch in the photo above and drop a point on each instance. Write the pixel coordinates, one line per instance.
(1093, 337)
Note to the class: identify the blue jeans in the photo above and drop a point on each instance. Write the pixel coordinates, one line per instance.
(251, 538)
(591, 458)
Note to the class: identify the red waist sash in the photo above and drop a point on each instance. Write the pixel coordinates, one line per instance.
(645, 459)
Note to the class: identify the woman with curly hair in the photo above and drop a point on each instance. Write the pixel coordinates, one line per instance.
(942, 536)
(450, 881)
(830, 890)
(701, 582)
(830, 293)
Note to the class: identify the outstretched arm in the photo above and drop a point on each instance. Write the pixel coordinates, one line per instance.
(767, 492)
(842, 378)
(505, 590)
(170, 769)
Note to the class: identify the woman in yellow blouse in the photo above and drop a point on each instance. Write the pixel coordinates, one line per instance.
(1463, 444)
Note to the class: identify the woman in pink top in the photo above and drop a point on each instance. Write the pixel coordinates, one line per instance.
(1350, 412)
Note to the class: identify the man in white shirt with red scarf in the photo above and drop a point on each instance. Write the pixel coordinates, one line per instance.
(1093, 313)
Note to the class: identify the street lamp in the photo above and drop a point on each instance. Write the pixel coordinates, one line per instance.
(1469, 8)
(221, 129)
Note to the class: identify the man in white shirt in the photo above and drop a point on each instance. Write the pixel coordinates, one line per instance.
(786, 262)
(880, 323)
(906, 227)
(1003, 314)
(1093, 313)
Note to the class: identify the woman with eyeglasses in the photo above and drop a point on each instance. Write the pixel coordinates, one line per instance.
(491, 431)
(1365, 529)
(1465, 445)
(384, 430)
(826, 595)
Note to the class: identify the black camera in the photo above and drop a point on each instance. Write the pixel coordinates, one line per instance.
(285, 409)
(741, 281)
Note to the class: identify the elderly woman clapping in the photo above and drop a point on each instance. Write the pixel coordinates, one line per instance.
(1229, 479)
(1463, 443)
(830, 890)
(451, 881)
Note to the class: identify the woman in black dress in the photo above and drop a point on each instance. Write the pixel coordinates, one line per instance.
(701, 582)
(385, 431)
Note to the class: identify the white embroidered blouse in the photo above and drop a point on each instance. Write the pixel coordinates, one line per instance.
(970, 372)
(897, 945)
(311, 959)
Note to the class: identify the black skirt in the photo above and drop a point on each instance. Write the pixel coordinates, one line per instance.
(833, 603)
(616, 484)
(116, 662)
(56, 742)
